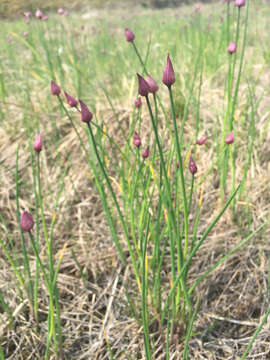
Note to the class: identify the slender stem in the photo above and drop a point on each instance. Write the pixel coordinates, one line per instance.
(170, 212)
(140, 58)
(99, 185)
(49, 245)
(193, 252)
(221, 260)
(144, 296)
(46, 278)
(105, 175)
(182, 180)
(25, 255)
(258, 330)
(191, 192)
(167, 185)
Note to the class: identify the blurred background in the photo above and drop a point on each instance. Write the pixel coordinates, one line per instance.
(13, 8)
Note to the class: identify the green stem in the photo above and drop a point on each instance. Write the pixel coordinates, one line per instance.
(193, 252)
(105, 175)
(25, 255)
(182, 180)
(220, 261)
(258, 330)
(140, 58)
(144, 297)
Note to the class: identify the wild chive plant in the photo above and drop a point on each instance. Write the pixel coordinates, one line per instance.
(232, 90)
(49, 268)
(153, 209)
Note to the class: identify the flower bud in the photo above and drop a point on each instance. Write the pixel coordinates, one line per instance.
(202, 141)
(39, 14)
(192, 166)
(153, 86)
(60, 11)
(143, 87)
(55, 89)
(136, 140)
(229, 138)
(26, 222)
(145, 153)
(138, 102)
(197, 8)
(168, 75)
(72, 102)
(129, 35)
(240, 3)
(38, 143)
(232, 47)
(86, 115)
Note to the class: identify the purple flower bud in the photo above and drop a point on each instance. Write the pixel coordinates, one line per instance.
(229, 138)
(192, 166)
(143, 88)
(153, 86)
(129, 35)
(138, 102)
(27, 14)
(55, 89)
(26, 222)
(86, 115)
(168, 75)
(25, 34)
(45, 17)
(27, 20)
(66, 13)
(202, 140)
(60, 11)
(38, 143)
(72, 102)
(39, 14)
(177, 164)
(145, 153)
(136, 140)
(197, 8)
(240, 3)
(232, 47)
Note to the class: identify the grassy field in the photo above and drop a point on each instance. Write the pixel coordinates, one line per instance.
(135, 255)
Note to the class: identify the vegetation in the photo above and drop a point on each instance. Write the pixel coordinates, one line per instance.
(134, 171)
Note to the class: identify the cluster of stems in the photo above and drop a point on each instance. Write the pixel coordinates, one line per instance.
(152, 205)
